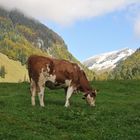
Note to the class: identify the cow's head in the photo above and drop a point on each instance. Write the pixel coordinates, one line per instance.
(90, 97)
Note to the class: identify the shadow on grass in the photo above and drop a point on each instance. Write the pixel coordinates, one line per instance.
(55, 102)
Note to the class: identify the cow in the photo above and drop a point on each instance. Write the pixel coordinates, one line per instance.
(56, 73)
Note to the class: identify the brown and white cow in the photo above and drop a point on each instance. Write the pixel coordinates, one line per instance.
(54, 73)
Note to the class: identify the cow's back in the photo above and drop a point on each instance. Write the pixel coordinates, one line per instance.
(66, 70)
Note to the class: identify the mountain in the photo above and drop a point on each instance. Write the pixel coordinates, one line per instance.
(127, 69)
(22, 36)
(107, 61)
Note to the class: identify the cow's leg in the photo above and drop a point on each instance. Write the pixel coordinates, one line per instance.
(41, 87)
(68, 95)
(41, 94)
(33, 91)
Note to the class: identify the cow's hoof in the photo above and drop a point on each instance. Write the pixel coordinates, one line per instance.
(67, 106)
(92, 105)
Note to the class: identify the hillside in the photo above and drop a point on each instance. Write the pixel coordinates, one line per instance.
(14, 71)
(128, 69)
(21, 36)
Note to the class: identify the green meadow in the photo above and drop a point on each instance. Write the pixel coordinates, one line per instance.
(115, 117)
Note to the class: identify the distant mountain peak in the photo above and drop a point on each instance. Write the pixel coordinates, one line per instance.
(107, 60)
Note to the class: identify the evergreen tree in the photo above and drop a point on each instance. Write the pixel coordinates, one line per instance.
(2, 71)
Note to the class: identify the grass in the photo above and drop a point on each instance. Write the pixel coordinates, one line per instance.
(115, 117)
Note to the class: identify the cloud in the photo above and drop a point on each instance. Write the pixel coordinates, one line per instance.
(66, 11)
(137, 27)
(136, 20)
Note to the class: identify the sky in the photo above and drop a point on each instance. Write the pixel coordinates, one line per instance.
(88, 27)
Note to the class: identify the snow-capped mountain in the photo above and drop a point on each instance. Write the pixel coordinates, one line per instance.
(107, 60)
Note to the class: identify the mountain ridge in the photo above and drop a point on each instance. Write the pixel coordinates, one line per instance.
(127, 69)
(108, 60)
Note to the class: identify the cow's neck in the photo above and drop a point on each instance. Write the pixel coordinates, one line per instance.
(84, 85)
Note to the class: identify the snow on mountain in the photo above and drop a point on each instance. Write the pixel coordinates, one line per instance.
(107, 60)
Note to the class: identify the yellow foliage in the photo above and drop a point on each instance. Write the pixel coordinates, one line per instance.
(25, 30)
(15, 72)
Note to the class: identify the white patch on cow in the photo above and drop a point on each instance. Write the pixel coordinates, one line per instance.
(45, 73)
(69, 93)
(48, 68)
(45, 76)
(42, 70)
(90, 100)
(80, 67)
(68, 82)
(31, 84)
(41, 85)
(33, 91)
(42, 77)
(75, 67)
(41, 95)
(51, 78)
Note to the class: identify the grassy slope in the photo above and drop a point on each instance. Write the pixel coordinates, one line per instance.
(116, 116)
(15, 72)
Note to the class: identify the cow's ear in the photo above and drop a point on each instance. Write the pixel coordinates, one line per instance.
(96, 91)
